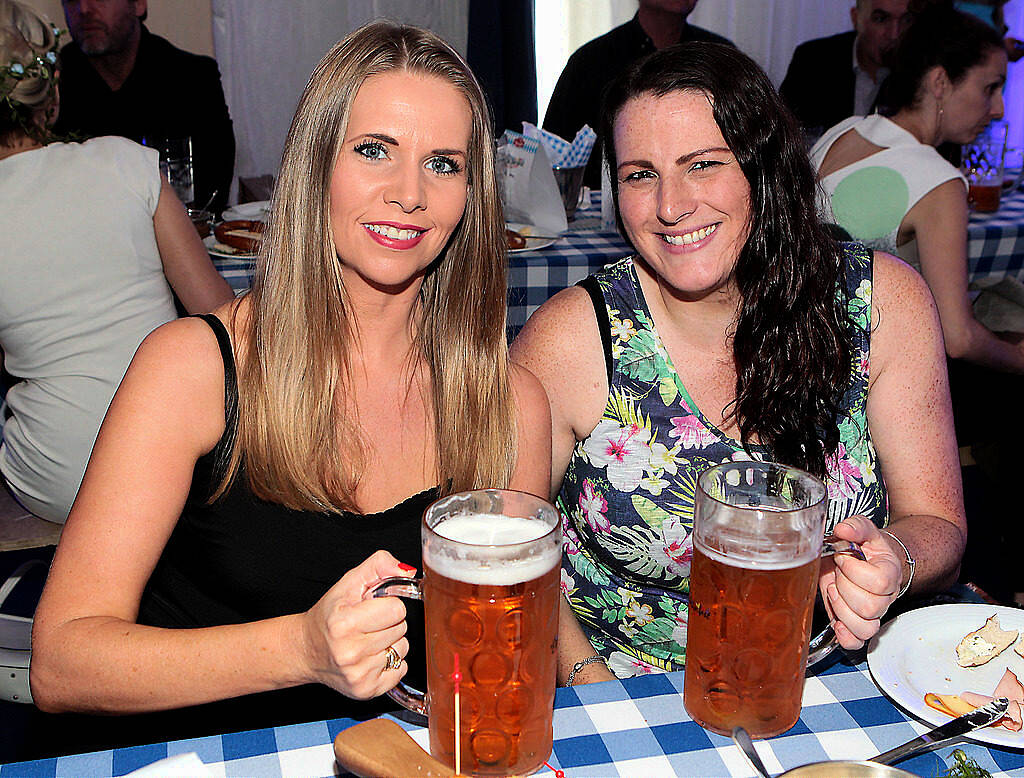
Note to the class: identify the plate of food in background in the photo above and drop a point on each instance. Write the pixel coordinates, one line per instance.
(524, 237)
(235, 238)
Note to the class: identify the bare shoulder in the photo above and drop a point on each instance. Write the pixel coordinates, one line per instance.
(183, 343)
(905, 321)
(897, 289)
(561, 345)
(176, 379)
(528, 389)
(565, 324)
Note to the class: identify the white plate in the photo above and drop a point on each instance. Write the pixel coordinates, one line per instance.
(257, 211)
(915, 654)
(532, 244)
(218, 249)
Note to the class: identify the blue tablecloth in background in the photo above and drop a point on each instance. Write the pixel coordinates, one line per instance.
(995, 247)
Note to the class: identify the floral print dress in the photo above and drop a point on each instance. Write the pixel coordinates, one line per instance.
(627, 498)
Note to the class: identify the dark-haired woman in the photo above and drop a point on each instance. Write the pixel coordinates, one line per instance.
(884, 182)
(737, 330)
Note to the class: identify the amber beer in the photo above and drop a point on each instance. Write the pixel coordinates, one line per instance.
(747, 639)
(984, 198)
(757, 545)
(490, 597)
(502, 622)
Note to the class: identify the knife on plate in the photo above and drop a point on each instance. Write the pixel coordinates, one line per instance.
(979, 717)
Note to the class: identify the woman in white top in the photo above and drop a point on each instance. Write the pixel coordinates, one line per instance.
(91, 237)
(884, 182)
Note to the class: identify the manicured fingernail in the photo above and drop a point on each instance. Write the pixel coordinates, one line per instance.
(407, 568)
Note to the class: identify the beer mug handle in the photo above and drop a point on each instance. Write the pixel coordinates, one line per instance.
(824, 643)
(411, 588)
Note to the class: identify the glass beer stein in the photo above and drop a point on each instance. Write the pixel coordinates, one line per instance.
(757, 546)
(490, 592)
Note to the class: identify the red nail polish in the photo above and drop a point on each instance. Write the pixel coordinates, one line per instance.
(406, 567)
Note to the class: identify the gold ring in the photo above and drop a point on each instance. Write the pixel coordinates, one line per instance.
(392, 659)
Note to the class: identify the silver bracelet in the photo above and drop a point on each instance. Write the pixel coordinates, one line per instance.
(580, 665)
(911, 562)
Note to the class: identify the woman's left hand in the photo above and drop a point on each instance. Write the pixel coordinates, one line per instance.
(858, 592)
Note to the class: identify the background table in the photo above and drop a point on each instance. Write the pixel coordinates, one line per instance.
(995, 247)
(636, 727)
(995, 241)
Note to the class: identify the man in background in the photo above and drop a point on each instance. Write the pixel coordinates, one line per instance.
(117, 78)
(832, 78)
(577, 97)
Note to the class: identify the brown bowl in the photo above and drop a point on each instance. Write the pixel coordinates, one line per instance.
(201, 220)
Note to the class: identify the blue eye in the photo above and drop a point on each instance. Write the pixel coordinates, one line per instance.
(372, 150)
(444, 166)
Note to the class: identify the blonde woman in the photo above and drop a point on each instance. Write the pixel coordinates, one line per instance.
(92, 244)
(372, 376)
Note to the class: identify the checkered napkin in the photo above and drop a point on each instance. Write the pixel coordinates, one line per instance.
(561, 152)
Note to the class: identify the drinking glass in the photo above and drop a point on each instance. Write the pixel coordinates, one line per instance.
(490, 592)
(757, 545)
(570, 187)
(981, 161)
(176, 164)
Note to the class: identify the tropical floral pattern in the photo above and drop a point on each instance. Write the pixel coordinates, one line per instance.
(627, 498)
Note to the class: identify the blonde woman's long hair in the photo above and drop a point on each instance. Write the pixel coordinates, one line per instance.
(294, 443)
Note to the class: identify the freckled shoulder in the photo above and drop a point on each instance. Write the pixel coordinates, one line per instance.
(904, 318)
(561, 345)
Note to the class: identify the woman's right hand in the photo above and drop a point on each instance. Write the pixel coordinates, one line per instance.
(347, 633)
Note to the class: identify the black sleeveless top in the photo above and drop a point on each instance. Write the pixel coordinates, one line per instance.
(241, 559)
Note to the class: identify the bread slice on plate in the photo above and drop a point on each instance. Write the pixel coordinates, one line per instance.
(984, 644)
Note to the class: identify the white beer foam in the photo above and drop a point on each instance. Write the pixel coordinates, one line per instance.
(490, 530)
(754, 564)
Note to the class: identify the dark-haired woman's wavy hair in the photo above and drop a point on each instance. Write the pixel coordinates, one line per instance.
(792, 347)
(941, 36)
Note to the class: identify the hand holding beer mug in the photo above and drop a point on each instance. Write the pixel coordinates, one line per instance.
(757, 545)
(490, 589)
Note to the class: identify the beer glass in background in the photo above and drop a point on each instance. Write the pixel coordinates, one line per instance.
(490, 590)
(981, 162)
(757, 545)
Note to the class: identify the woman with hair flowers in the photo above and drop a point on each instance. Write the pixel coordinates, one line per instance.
(739, 329)
(260, 470)
(92, 242)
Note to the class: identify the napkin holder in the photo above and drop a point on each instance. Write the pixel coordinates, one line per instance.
(529, 191)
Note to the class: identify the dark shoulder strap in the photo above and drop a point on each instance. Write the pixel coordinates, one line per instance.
(593, 288)
(221, 453)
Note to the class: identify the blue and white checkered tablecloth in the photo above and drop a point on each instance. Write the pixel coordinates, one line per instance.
(636, 727)
(995, 241)
(995, 248)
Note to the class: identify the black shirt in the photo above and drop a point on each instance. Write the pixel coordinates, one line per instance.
(238, 560)
(820, 82)
(578, 94)
(170, 93)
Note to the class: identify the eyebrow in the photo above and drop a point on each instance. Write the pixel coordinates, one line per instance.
(393, 142)
(679, 161)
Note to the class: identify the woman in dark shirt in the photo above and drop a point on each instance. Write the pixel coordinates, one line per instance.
(372, 376)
